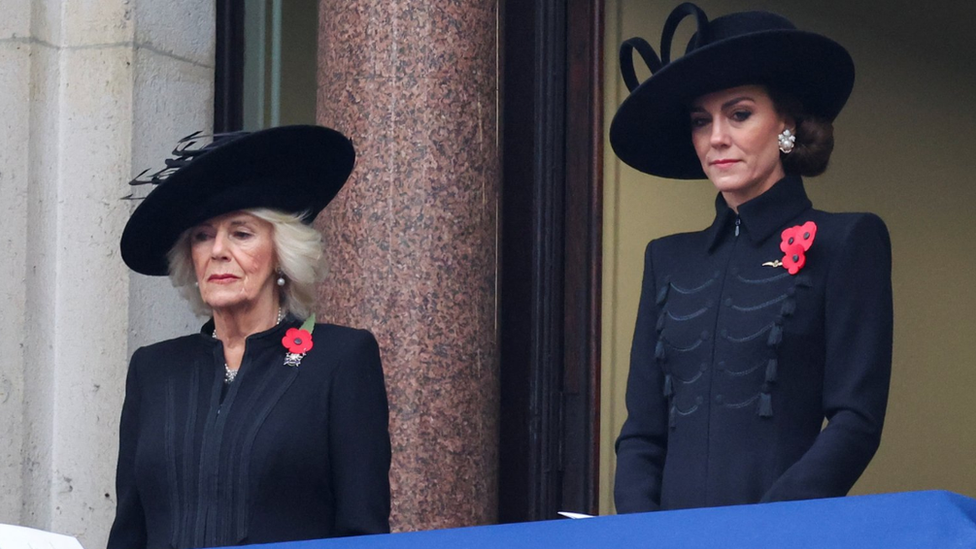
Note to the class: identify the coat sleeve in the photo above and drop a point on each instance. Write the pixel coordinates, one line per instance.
(359, 442)
(857, 370)
(642, 444)
(129, 529)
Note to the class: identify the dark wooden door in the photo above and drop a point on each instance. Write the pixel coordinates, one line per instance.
(550, 257)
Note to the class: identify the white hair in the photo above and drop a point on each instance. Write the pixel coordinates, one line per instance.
(298, 252)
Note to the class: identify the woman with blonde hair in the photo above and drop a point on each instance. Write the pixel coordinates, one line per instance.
(265, 426)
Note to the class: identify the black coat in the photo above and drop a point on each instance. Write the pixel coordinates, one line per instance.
(735, 365)
(284, 454)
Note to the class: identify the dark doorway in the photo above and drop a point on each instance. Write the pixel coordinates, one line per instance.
(550, 257)
(265, 63)
(229, 67)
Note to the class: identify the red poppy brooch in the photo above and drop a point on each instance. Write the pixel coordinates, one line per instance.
(796, 242)
(298, 341)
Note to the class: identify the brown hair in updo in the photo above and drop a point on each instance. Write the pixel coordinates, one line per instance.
(814, 137)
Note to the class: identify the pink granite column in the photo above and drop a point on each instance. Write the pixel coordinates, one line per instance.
(412, 238)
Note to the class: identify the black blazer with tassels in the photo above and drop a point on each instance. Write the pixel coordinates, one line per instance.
(736, 363)
(284, 453)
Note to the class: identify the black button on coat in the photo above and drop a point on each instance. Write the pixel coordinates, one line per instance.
(285, 454)
(736, 363)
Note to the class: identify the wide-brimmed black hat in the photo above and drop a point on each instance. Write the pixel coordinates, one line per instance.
(652, 130)
(293, 169)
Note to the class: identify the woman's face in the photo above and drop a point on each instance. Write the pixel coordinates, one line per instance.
(735, 133)
(234, 261)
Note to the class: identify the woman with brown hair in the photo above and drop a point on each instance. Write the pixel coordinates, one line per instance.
(753, 332)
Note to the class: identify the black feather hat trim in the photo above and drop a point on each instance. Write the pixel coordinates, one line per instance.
(293, 169)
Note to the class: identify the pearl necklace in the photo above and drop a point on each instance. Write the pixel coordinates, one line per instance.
(230, 375)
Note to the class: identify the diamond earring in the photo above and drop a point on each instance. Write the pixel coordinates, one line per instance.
(787, 141)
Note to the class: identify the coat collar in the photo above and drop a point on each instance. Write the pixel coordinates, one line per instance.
(762, 216)
(268, 337)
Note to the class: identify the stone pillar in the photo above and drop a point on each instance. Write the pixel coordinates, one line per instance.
(15, 96)
(84, 92)
(412, 238)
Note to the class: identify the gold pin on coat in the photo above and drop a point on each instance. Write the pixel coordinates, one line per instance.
(776, 263)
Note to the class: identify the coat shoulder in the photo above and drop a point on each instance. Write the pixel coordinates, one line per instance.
(849, 220)
(170, 347)
(159, 361)
(344, 341)
(680, 239)
(841, 227)
(173, 344)
(678, 243)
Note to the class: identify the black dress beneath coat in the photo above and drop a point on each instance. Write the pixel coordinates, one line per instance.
(282, 453)
(735, 365)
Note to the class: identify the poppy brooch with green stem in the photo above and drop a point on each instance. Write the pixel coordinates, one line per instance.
(298, 342)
